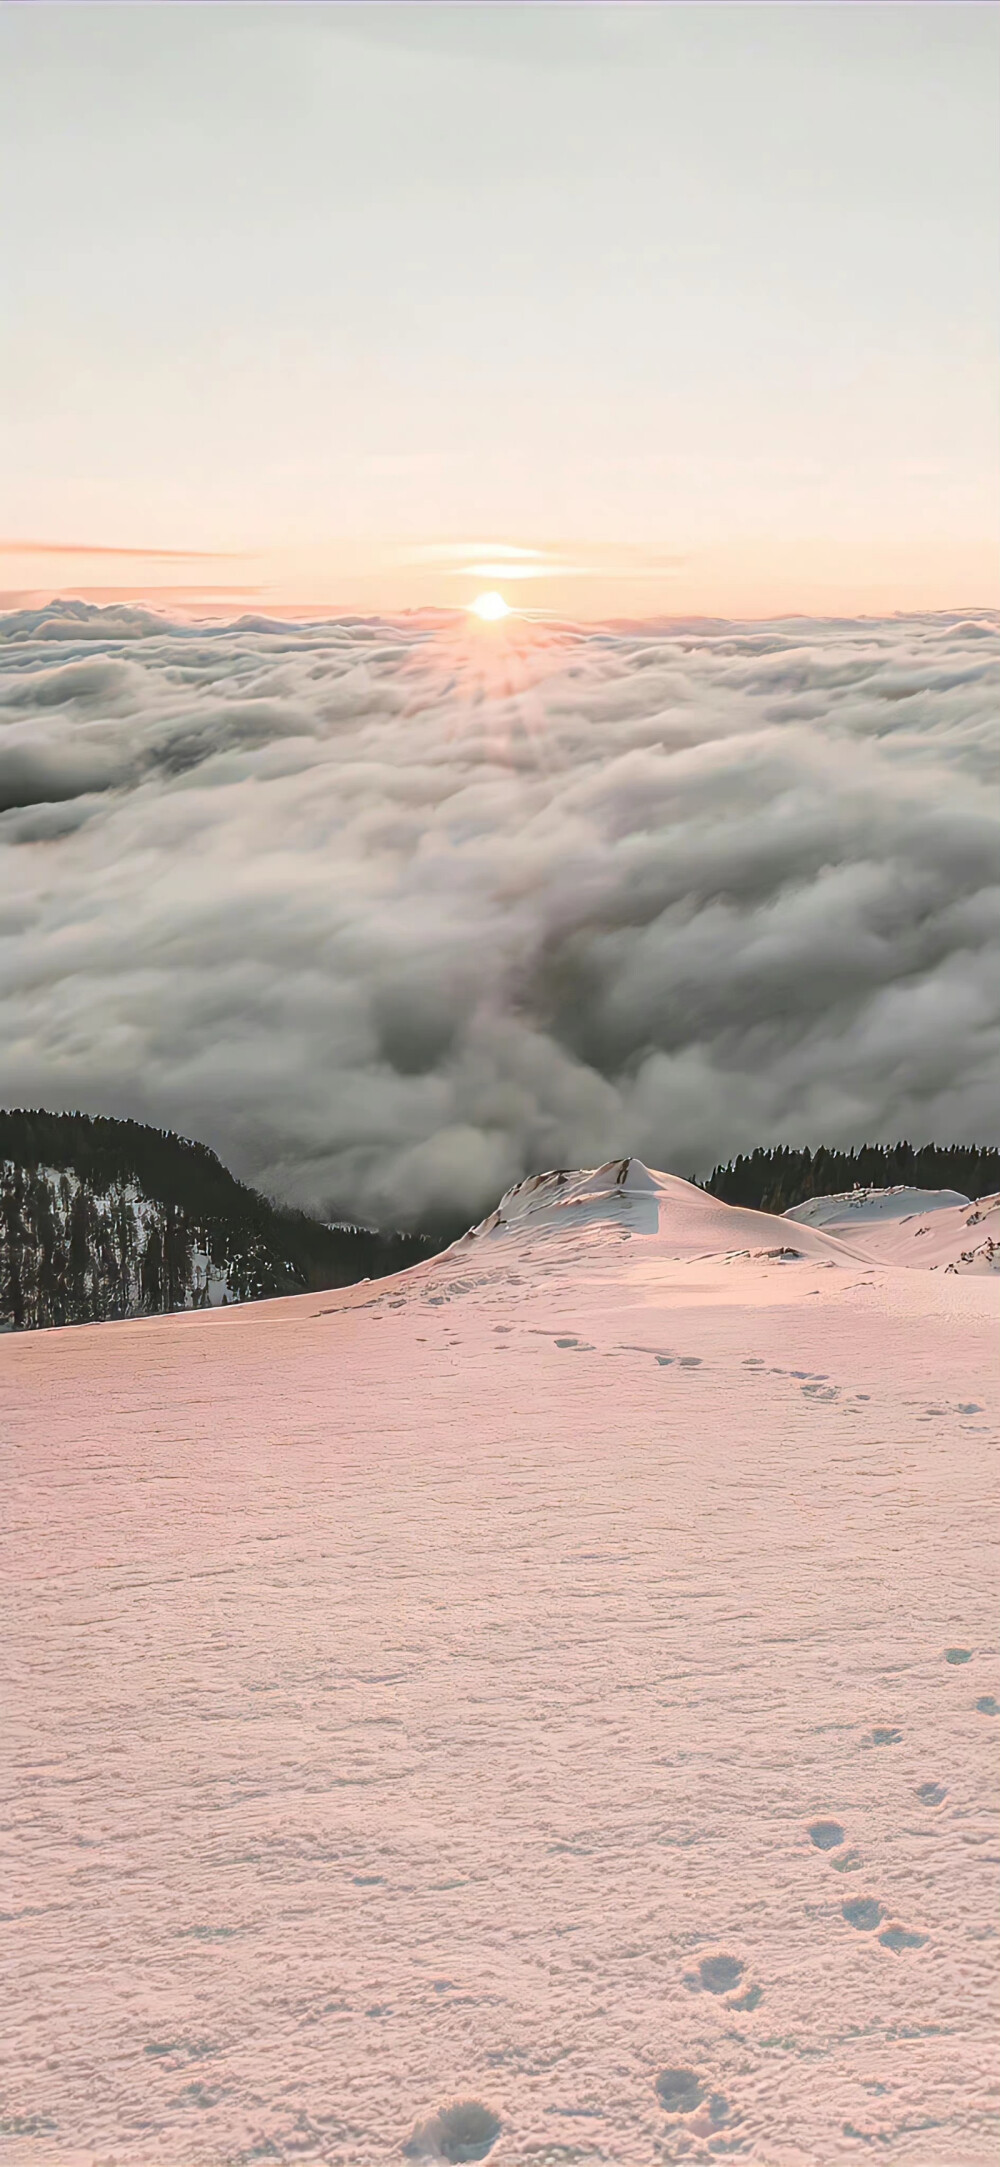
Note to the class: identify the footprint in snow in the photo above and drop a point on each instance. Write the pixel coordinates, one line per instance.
(862, 1912)
(883, 1734)
(682, 2091)
(464, 2131)
(721, 1973)
(900, 1937)
(931, 1794)
(826, 1835)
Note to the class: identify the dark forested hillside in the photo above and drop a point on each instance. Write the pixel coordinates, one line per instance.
(103, 1218)
(774, 1180)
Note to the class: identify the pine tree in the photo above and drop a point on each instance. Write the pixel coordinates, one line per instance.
(151, 1270)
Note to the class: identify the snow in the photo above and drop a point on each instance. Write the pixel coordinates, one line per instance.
(559, 1681)
(860, 1207)
(687, 1220)
(927, 1229)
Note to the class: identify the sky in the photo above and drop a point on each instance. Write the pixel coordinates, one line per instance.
(625, 311)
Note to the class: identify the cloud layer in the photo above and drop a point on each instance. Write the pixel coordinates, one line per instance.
(393, 914)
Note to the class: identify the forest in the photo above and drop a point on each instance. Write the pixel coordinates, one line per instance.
(102, 1218)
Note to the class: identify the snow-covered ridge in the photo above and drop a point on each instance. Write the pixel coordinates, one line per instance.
(622, 1191)
(925, 1229)
(856, 1205)
(576, 1211)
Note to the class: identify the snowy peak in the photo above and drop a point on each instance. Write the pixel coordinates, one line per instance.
(611, 1191)
(622, 1192)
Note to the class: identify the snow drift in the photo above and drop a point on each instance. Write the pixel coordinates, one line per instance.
(930, 1230)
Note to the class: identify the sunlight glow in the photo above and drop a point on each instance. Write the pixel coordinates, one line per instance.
(491, 606)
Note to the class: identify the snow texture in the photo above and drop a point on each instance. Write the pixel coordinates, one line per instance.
(541, 1707)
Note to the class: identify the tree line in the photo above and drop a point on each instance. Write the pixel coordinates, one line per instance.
(776, 1179)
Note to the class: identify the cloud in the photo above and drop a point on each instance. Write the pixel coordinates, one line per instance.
(392, 913)
(457, 552)
(106, 549)
(507, 560)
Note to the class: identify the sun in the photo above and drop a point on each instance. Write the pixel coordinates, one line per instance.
(490, 607)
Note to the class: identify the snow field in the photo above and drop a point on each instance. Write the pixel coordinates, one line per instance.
(560, 1681)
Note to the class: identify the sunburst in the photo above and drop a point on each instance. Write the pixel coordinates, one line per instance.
(490, 607)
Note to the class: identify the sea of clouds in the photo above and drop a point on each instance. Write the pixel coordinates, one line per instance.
(391, 914)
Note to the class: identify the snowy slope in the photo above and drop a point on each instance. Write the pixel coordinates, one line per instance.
(926, 1229)
(559, 1680)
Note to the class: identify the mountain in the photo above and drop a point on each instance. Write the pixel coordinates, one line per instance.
(774, 1180)
(102, 1218)
(541, 1706)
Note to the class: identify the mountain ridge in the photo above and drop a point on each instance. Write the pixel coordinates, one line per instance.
(104, 1218)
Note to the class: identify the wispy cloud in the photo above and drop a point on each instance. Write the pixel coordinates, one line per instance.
(161, 594)
(19, 548)
(511, 560)
(457, 553)
(558, 569)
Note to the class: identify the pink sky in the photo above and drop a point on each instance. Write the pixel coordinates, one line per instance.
(758, 578)
(678, 309)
